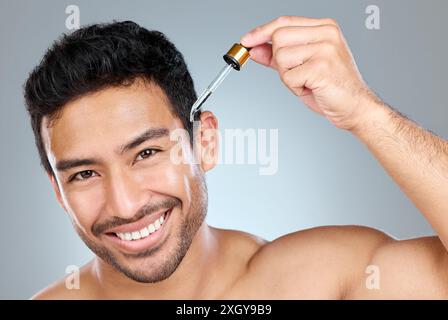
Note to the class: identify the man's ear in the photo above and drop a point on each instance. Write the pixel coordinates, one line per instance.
(56, 190)
(208, 140)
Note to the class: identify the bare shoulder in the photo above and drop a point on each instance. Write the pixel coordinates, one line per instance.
(248, 244)
(407, 269)
(313, 263)
(340, 262)
(63, 289)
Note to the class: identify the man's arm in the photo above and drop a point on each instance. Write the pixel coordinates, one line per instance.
(315, 63)
(415, 158)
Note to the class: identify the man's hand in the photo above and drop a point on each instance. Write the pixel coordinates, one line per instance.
(315, 63)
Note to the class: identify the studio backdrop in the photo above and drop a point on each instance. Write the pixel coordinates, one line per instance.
(315, 175)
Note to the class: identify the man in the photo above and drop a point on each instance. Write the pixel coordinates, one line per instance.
(103, 103)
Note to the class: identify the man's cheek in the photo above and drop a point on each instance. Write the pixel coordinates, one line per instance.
(174, 180)
(84, 210)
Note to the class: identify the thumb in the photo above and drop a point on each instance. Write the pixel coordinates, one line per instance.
(262, 54)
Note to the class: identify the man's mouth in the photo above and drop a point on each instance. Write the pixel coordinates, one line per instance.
(143, 233)
(135, 238)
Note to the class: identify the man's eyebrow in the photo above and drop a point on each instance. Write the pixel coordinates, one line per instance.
(65, 165)
(152, 133)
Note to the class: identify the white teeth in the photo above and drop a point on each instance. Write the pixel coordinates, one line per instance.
(136, 235)
(143, 233)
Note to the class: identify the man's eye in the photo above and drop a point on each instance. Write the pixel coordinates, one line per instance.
(83, 175)
(146, 154)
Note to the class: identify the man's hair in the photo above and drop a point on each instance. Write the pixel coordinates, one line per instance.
(106, 55)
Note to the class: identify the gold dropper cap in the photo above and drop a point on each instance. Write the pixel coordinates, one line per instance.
(237, 56)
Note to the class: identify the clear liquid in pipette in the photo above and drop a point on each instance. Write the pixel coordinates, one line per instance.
(210, 89)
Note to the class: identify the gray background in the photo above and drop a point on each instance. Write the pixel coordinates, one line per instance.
(325, 175)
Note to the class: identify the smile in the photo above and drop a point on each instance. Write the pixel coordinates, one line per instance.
(142, 235)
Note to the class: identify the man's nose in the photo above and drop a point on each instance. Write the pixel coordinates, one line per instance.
(126, 195)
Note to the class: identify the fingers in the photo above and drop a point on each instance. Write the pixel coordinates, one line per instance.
(300, 49)
(289, 36)
(264, 33)
(296, 79)
(262, 54)
(297, 37)
(286, 58)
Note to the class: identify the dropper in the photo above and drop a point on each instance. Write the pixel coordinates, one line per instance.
(235, 58)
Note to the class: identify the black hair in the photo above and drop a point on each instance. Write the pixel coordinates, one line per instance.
(103, 55)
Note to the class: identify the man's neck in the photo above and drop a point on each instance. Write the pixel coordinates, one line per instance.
(191, 280)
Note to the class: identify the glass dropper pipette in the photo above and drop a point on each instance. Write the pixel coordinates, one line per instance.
(235, 58)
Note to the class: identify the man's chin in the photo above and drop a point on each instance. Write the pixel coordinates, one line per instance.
(146, 274)
(149, 266)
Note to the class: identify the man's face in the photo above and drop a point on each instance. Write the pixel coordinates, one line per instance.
(131, 205)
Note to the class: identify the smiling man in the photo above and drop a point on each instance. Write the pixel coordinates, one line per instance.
(103, 104)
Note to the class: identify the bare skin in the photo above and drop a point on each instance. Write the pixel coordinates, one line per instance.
(315, 63)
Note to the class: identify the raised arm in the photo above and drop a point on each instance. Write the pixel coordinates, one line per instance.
(315, 63)
(415, 158)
